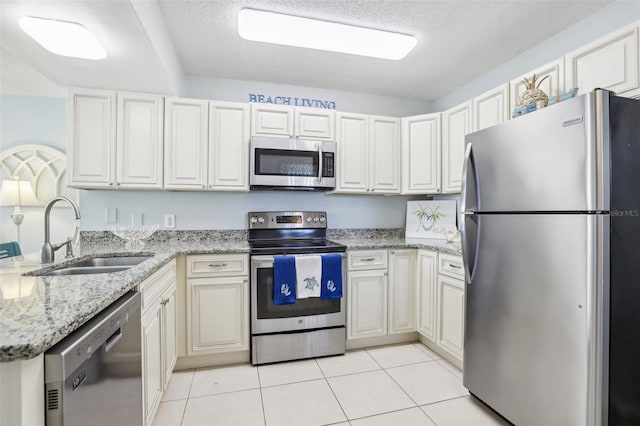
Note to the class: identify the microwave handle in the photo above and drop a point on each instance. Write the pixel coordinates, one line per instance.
(320, 163)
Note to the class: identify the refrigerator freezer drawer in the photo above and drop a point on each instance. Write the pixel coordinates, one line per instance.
(527, 324)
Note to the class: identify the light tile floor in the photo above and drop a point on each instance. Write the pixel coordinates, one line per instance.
(399, 385)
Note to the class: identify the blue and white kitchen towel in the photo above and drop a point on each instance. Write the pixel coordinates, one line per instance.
(308, 274)
(284, 280)
(331, 276)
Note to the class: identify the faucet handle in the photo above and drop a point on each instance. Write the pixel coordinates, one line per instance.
(69, 249)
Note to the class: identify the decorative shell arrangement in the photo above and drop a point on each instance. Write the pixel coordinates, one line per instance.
(533, 93)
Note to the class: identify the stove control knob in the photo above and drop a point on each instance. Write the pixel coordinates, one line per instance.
(260, 219)
(315, 219)
(253, 219)
(309, 219)
(321, 219)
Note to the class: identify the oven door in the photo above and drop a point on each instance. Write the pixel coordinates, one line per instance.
(292, 163)
(310, 313)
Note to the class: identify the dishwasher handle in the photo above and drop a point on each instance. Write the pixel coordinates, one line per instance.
(113, 339)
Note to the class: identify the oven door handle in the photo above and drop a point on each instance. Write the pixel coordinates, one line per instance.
(267, 259)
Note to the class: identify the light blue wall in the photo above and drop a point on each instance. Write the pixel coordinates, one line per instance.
(238, 91)
(26, 120)
(608, 19)
(215, 210)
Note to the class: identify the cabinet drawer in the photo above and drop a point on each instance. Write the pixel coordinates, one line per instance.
(367, 259)
(217, 265)
(451, 266)
(154, 286)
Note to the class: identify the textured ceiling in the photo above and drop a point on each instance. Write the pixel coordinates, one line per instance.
(152, 43)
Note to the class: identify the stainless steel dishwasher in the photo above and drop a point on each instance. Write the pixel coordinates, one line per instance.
(94, 376)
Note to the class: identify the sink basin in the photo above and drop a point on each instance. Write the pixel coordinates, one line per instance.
(87, 270)
(96, 265)
(95, 262)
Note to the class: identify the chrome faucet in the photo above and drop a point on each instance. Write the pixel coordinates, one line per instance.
(48, 250)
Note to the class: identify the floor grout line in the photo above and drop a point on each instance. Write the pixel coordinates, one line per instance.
(333, 392)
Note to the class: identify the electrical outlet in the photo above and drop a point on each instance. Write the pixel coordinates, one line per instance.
(110, 215)
(169, 221)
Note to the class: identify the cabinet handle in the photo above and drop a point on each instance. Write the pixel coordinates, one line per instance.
(110, 183)
(204, 186)
(219, 265)
(455, 266)
(393, 252)
(386, 274)
(368, 259)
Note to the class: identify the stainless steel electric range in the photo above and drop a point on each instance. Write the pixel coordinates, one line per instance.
(309, 327)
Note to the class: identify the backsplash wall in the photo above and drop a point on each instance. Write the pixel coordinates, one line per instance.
(215, 210)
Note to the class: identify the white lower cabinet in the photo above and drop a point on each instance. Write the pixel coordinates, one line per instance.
(217, 304)
(450, 307)
(427, 275)
(158, 336)
(402, 290)
(381, 298)
(367, 313)
(441, 303)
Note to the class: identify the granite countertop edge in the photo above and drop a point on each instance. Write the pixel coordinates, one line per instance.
(22, 343)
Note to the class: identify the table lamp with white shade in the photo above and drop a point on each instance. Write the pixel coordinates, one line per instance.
(18, 193)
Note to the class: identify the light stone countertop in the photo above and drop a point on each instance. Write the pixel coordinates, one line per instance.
(36, 312)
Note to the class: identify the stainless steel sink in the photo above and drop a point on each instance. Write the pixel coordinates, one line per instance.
(84, 270)
(96, 265)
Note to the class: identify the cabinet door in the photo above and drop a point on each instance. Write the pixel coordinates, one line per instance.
(91, 146)
(185, 145)
(228, 146)
(421, 155)
(139, 141)
(367, 298)
(218, 315)
(427, 276)
(553, 85)
(152, 372)
(169, 312)
(271, 120)
(352, 139)
(314, 123)
(456, 124)
(402, 291)
(610, 62)
(491, 108)
(384, 141)
(451, 315)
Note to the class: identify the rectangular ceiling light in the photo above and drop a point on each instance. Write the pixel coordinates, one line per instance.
(270, 27)
(63, 38)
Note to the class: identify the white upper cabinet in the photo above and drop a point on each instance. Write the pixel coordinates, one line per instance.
(185, 144)
(384, 141)
(552, 85)
(352, 140)
(610, 62)
(421, 157)
(91, 148)
(229, 146)
(139, 141)
(456, 124)
(287, 121)
(491, 107)
(272, 120)
(315, 123)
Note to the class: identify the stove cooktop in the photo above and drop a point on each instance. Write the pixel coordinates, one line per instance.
(296, 246)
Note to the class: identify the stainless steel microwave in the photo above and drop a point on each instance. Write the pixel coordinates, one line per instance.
(283, 163)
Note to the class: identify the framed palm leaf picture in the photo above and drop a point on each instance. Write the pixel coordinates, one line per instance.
(430, 218)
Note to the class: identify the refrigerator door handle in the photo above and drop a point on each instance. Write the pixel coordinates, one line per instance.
(467, 212)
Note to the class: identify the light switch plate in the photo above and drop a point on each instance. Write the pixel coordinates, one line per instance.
(169, 221)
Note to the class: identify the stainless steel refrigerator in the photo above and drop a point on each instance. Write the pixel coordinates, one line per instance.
(550, 219)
